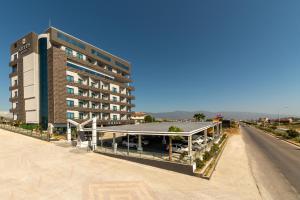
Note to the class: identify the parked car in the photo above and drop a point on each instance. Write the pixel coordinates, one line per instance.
(197, 147)
(198, 140)
(178, 148)
(144, 141)
(131, 144)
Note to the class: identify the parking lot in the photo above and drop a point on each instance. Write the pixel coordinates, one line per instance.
(157, 147)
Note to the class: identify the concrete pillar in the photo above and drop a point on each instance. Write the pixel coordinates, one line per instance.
(68, 132)
(140, 148)
(94, 133)
(190, 146)
(114, 139)
(221, 128)
(218, 129)
(205, 138)
(213, 132)
(127, 144)
(50, 128)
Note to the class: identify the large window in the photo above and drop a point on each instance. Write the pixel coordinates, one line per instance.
(70, 78)
(114, 89)
(70, 40)
(115, 99)
(115, 108)
(70, 115)
(115, 117)
(122, 65)
(70, 103)
(89, 71)
(80, 115)
(100, 55)
(70, 90)
(69, 51)
(79, 56)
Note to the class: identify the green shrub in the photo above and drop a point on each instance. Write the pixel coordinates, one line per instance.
(182, 155)
(297, 139)
(214, 149)
(292, 133)
(206, 156)
(199, 163)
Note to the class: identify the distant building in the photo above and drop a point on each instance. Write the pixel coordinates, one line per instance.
(263, 119)
(138, 117)
(287, 120)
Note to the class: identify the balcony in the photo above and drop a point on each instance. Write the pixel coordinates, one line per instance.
(15, 86)
(13, 110)
(13, 74)
(96, 89)
(96, 67)
(98, 78)
(13, 99)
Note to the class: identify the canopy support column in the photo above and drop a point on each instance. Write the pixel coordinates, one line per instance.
(94, 133)
(140, 148)
(68, 132)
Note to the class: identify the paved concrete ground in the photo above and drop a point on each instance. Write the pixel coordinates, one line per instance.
(275, 164)
(34, 169)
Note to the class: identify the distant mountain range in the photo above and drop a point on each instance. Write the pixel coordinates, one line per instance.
(227, 115)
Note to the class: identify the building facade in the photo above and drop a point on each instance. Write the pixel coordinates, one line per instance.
(56, 76)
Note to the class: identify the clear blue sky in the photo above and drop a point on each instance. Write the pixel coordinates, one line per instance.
(186, 55)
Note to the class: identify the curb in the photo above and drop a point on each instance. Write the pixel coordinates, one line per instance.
(208, 177)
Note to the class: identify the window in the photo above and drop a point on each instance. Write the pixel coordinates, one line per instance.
(115, 117)
(69, 51)
(80, 115)
(80, 92)
(114, 89)
(14, 69)
(16, 82)
(70, 78)
(79, 56)
(122, 65)
(93, 106)
(16, 93)
(100, 55)
(70, 90)
(93, 95)
(81, 68)
(93, 115)
(80, 104)
(115, 99)
(115, 108)
(80, 81)
(70, 115)
(92, 84)
(70, 103)
(70, 40)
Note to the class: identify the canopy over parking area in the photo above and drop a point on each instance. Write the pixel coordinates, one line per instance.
(153, 129)
(160, 128)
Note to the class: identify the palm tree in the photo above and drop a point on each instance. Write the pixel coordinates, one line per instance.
(172, 137)
(199, 116)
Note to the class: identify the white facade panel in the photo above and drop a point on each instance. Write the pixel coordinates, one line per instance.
(31, 87)
(32, 117)
(29, 91)
(30, 104)
(28, 78)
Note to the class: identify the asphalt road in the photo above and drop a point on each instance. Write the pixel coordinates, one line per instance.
(275, 164)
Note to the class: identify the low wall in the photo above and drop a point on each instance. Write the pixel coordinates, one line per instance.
(176, 167)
